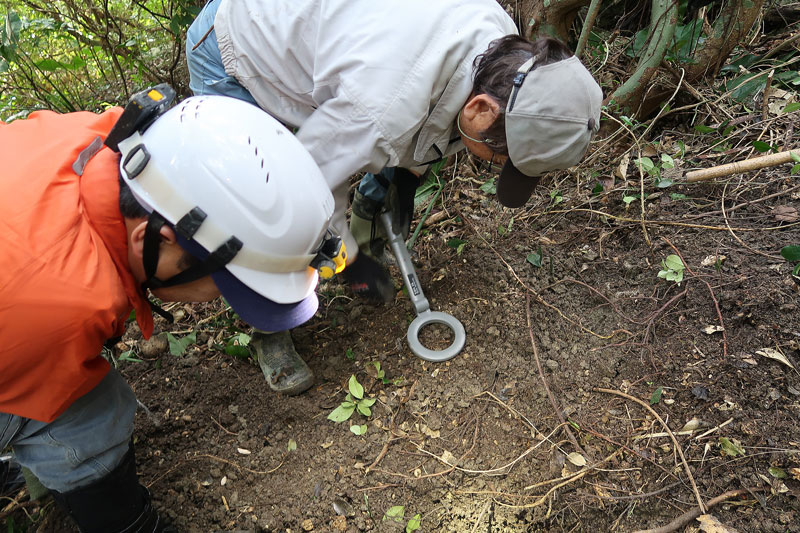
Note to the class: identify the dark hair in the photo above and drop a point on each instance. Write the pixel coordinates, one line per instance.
(494, 71)
(129, 206)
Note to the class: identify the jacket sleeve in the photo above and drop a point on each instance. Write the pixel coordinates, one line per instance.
(344, 139)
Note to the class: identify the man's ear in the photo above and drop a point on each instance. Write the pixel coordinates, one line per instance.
(481, 110)
(137, 237)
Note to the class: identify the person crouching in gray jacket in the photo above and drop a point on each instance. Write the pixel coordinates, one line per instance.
(388, 88)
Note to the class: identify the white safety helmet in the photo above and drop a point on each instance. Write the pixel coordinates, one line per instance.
(243, 195)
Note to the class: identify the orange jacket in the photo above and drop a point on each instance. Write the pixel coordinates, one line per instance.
(65, 281)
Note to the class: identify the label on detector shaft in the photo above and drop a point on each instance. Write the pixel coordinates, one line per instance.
(412, 282)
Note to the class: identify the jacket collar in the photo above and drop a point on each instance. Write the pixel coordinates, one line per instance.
(439, 128)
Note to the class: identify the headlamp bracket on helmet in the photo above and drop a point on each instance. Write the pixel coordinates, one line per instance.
(142, 110)
(331, 256)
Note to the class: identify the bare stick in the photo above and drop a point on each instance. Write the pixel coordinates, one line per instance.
(553, 401)
(765, 98)
(672, 436)
(693, 513)
(747, 165)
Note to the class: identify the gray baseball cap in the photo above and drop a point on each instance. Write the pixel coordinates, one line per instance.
(552, 113)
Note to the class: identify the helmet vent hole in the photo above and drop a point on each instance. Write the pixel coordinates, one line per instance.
(267, 178)
(262, 163)
(256, 150)
(248, 140)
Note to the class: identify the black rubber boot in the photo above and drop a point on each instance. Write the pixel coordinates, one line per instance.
(11, 479)
(368, 279)
(366, 228)
(116, 503)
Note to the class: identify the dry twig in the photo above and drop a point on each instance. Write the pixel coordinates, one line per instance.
(693, 513)
(674, 440)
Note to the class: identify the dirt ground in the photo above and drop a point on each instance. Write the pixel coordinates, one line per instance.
(477, 443)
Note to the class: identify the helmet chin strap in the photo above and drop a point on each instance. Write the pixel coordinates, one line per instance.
(215, 261)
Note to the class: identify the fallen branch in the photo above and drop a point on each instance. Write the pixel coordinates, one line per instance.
(693, 513)
(747, 165)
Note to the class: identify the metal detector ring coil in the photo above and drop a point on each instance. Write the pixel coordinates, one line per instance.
(436, 317)
(425, 316)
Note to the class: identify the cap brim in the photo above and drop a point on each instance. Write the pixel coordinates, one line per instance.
(513, 187)
(258, 311)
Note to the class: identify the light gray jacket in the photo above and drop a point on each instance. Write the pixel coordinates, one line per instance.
(369, 83)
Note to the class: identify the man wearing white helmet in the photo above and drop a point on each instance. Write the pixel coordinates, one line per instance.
(99, 209)
(390, 87)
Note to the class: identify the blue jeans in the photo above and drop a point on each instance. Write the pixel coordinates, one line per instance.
(206, 72)
(82, 445)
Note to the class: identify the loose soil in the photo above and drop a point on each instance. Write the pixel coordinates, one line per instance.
(476, 444)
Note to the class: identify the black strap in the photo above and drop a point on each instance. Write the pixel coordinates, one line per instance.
(214, 262)
(152, 241)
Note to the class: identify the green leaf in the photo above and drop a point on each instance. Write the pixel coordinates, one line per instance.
(349, 354)
(629, 199)
(395, 513)
(795, 157)
(455, 243)
(663, 183)
(667, 161)
(746, 86)
(730, 447)
(129, 356)
(645, 163)
(237, 351)
(673, 262)
(359, 430)
(702, 128)
(49, 65)
(535, 259)
(369, 402)
(791, 253)
(292, 445)
(656, 397)
(790, 107)
(776, 472)
(762, 147)
(489, 187)
(356, 389)
(677, 196)
(795, 170)
(342, 413)
(237, 346)
(597, 189)
(364, 409)
(414, 523)
(178, 346)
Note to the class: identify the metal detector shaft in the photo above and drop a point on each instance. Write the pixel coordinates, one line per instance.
(424, 315)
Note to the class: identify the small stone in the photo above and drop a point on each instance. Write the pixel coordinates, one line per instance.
(339, 523)
(307, 525)
(154, 346)
(700, 392)
(551, 364)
